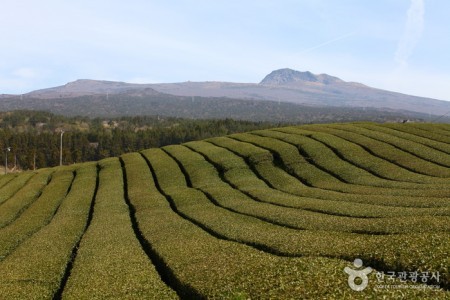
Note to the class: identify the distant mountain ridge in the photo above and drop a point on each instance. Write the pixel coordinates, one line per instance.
(306, 88)
(87, 87)
(283, 85)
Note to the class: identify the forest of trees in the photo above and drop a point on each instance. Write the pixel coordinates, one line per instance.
(34, 136)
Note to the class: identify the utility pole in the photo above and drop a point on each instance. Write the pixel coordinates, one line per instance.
(60, 148)
(7, 149)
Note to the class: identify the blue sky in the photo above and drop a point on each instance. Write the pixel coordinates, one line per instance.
(399, 45)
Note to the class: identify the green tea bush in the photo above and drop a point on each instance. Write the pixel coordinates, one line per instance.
(412, 134)
(359, 156)
(325, 158)
(24, 197)
(194, 261)
(12, 186)
(36, 268)
(6, 178)
(272, 214)
(440, 160)
(38, 214)
(393, 154)
(110, 262)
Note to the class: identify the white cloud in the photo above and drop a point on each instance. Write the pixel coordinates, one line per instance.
(412, 34)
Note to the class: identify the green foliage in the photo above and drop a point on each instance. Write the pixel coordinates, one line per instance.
(193, 206)
(36, 268)
(389, 152)
(430, 139)
(241, 178)
(430, 159)
(6, 179)
(38, 214)
(24, 197)
(353, 178)
(299, 177)
(110, 262)
(358, 156)
(35, 136)
(11, 186)
(270, 214)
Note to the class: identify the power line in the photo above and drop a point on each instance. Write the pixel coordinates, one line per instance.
(432, 121)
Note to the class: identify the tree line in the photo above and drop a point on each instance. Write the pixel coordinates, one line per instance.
(34, 137)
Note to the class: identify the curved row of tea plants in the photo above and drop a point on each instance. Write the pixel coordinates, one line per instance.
(267, 214)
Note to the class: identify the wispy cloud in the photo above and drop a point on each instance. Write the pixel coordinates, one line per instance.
(413, 32)
(326, 43)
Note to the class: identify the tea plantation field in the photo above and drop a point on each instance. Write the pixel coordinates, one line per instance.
(269, 214)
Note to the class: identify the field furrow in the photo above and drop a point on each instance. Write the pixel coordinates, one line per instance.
(436, 158)
(23, 198)
(259, 161)
(205, 177)
(362, 158)
(357, 180)
(301, 175)
(432, 135)
(404, 137)
(5, 179)
(252, 276)
(386, 151)
(38, 214)
(110, 261)
(317, 170)
(440, 129)
(268, 214)
(36, 268)
(14, 185)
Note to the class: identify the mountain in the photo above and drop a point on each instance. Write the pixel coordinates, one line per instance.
(87, 87)
(136, 104)
(306, 88)
(291, 77)
(280, 86)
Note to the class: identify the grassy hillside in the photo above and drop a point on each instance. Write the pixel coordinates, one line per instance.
(215, 108)
(267, 214)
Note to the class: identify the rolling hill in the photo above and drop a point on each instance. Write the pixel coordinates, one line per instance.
(274, 214)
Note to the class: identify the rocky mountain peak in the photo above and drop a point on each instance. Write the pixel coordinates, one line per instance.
(289, 76)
